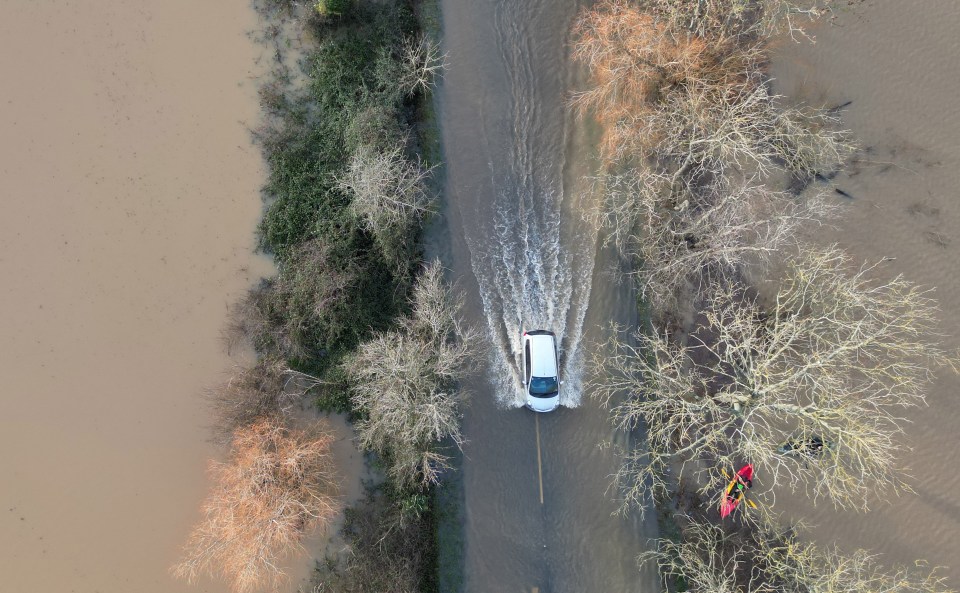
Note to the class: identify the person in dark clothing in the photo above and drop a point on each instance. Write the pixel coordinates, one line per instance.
(812, 447)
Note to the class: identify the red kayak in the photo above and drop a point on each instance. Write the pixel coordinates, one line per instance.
(733, 495)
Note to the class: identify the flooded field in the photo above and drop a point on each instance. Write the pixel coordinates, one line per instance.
(130, 194)
(517, 242)
(897, 64)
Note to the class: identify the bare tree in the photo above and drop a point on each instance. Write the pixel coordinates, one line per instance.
(636, 62)
(744, 128)
(680, 238)
(818, 374)
(268, 389)
(250, 322)
(407, 382)
(389, 191)
(711, 559)
(739, 18)
(422, 63)
(277, 485)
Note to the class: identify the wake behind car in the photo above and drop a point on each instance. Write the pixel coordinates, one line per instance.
(541, 371)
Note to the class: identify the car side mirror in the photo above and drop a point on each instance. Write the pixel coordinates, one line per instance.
(561, 382)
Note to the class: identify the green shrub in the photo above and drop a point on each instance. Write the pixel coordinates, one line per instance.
(389, 549)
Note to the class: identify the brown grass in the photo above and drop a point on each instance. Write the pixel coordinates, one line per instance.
(276, 485)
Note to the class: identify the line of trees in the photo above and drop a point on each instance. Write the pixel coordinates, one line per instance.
(693, 138)
(761, 348)
(353, 321)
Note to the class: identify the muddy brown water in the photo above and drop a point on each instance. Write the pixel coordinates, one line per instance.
(897, 63)
(130, 196)
(516, 240)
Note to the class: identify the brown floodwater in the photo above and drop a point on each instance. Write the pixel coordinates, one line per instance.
(897, 63)
(130, 196)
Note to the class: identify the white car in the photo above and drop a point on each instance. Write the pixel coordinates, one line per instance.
(541, 373)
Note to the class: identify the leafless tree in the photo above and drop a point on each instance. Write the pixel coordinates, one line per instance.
(389, 191)
(681, 238)
(422, 63)
(712, 559)
(739, 18)
(829, 360)
(268, 389)
(277, 485)
(745, 128)
(636, 62)
(407, 382)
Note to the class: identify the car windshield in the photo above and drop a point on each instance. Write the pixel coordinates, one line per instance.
(543, 386)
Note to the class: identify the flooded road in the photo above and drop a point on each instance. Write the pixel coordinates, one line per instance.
(517, 243)
(130, 197)
(897, 64)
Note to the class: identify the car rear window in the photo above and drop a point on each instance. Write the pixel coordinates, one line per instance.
(543, 386)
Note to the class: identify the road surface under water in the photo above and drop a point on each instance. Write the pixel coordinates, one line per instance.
(897, 63)
(517, 242)
(130, 198)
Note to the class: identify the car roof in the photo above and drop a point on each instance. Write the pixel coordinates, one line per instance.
(543, 355)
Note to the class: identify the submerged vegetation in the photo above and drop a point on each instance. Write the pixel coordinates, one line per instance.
(353, 321)
(762, 348)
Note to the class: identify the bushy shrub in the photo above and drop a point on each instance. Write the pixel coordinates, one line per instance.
(374, 125)
(306, 307)
(387, 549)
(406, 383)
